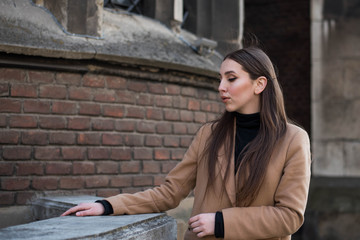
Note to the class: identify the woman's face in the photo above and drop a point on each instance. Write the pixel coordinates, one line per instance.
(237, 89)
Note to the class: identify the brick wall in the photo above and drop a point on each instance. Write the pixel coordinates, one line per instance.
(98, 134)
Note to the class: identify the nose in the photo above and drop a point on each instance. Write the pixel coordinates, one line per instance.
(222, 86)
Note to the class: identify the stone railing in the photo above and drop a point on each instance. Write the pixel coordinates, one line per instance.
(51, 226)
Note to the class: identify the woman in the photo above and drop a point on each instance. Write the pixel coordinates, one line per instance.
(250, 169)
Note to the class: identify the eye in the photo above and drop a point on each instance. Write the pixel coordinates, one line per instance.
(232, 79)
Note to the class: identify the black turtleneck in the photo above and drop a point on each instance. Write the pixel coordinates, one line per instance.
(247, 127)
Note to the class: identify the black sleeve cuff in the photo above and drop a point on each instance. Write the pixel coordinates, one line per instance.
(107, 206)
(219, 225)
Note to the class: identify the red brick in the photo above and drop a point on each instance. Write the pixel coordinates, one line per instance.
(7, 198)
(41, 77)
(163, 101)
(52, 122)
(34, 138)
(113, 111)
(107, 192)
(158, 180)
(83, 168)
(172, 89)
(71, 182)
(33, 106)
(47, 153)
(205, 106)
(171, 115)
(133, 140)
(29, 168)
(62, 138)
(9, 137)
(89, 138)
(125, 97)
(79, 93)
(211, 117)
(180, 128)
(145, 100)
(121, 181)
(2, 121)
(163, 128)
(23, 198)
(145, 127)
(104, 95)
(13, 184)
(12, 75)
(132, 190)
(103, 124)
(79, 123)
(112, 139)
(68, 108)
(157, 88)
(120, 154)
(215, 107)
(200, 117)
(189, 91)
(69, 78)
(98, 153)
(162, 154)
(166, 167)
(96, 181)
(92, 80)
(192, 128)
(125, 126)
(194, 104)
(45, 183)
(130, 167)
(186, 116)
(6, 169)
(180, 102)
(143, 181)
(23, 121)
(153, 141)
(71, 153)
(151, 167)
(143, 153)
(135, 112)
(89, 109)
(52, 91)
(107, 167)
(137, 86)
(17, 153)
(23, 90)
(171, 141)
(202, 93)
(115, 82)
(185, 141)
(58, 168)
(9, 105)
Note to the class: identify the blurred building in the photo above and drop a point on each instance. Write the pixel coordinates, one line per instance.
(103, 100)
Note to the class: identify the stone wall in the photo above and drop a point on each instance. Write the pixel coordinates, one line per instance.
(98, 133)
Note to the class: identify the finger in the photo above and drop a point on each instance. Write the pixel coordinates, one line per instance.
(193, 219)
(74, 210)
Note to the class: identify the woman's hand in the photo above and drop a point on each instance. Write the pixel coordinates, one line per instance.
(203, 224)
(86, 209)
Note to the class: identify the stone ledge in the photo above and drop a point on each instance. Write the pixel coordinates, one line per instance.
(128, 227)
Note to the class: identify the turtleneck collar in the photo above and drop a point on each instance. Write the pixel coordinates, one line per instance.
(247, 120)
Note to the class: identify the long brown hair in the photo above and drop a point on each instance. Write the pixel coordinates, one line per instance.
(256, 155)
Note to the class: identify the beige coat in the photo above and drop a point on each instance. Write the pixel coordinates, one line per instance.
(276, 213)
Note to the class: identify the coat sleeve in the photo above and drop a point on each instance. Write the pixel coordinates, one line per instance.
(178, 184)
(287, 214)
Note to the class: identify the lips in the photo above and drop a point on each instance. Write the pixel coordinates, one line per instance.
(225, 99)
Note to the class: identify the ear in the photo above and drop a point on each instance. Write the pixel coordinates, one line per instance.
(260, 84)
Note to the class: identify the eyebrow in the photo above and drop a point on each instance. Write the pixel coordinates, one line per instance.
(228, 72)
